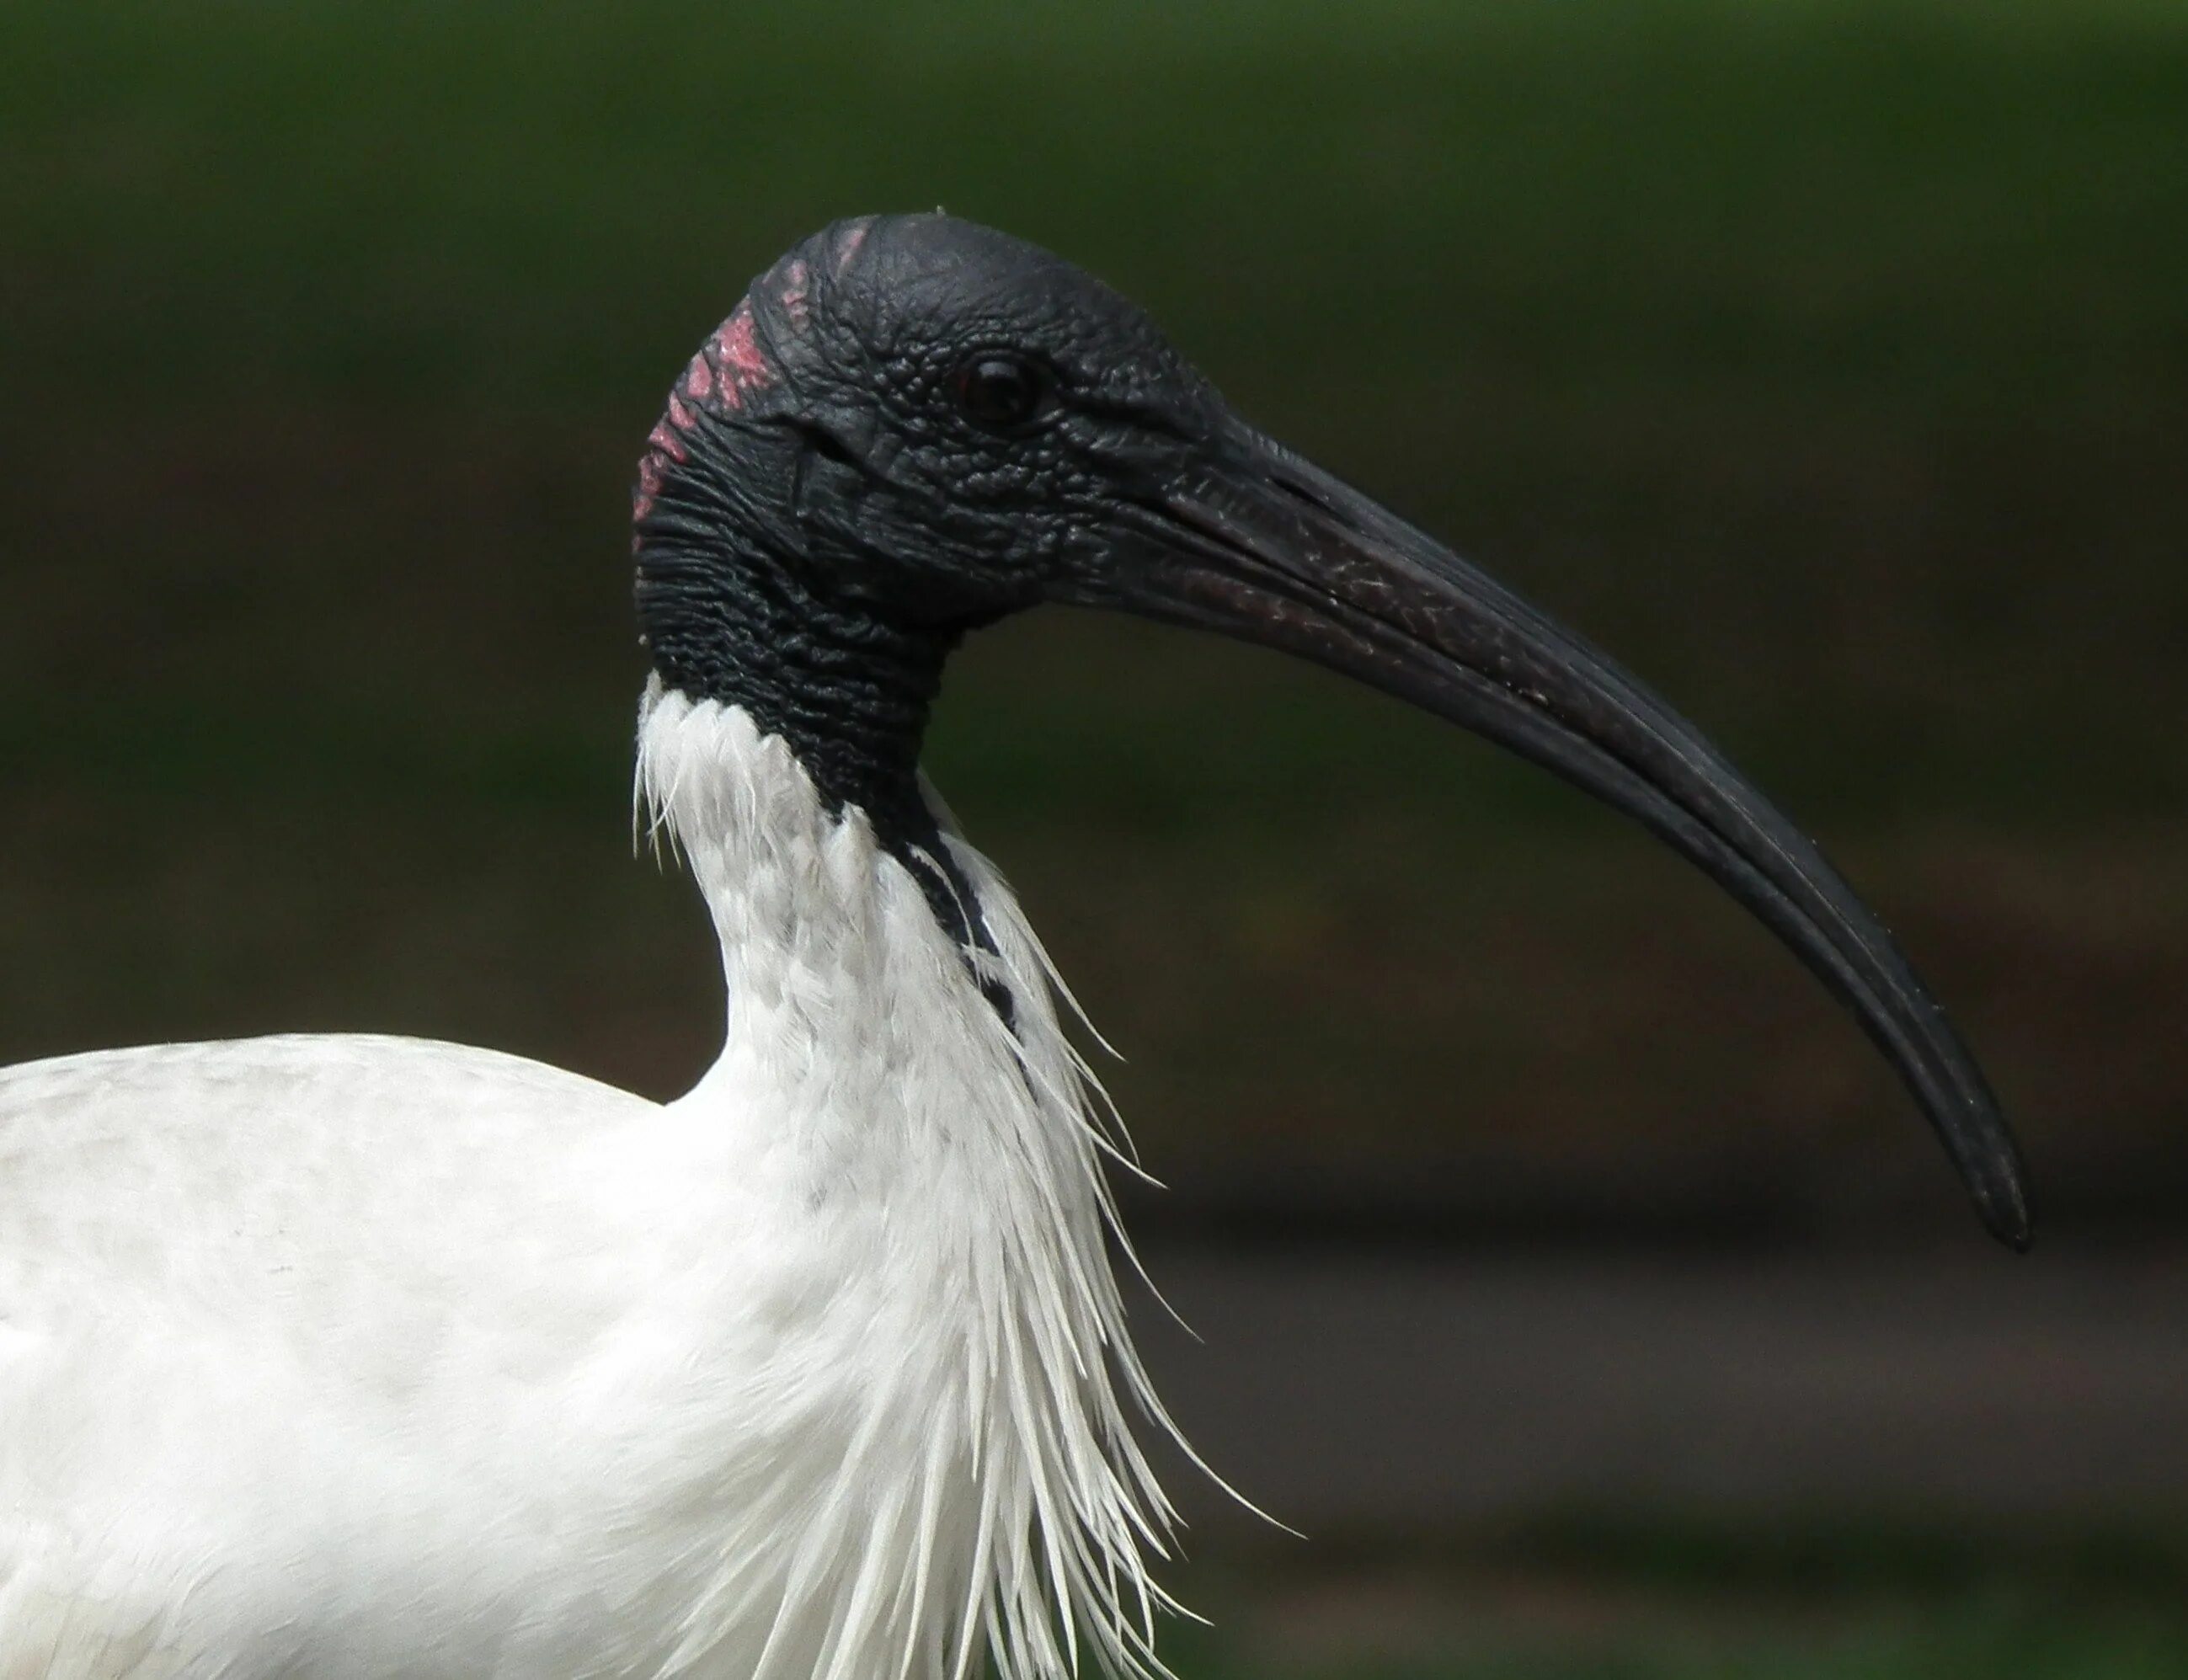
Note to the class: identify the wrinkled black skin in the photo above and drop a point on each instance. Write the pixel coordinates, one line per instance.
(832, 539)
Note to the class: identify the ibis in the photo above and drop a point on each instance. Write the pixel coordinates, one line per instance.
(364, 1356)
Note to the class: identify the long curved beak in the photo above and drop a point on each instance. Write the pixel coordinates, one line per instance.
(1268, 548)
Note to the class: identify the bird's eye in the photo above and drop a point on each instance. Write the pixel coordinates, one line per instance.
(1000, 391)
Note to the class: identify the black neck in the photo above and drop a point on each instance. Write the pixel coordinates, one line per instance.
(849, 693)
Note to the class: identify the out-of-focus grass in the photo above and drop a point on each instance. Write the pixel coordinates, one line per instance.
(1997, 1644)
(1830, 364)
(1639, 1598)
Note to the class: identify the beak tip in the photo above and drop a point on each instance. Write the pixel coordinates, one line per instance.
(2004, 1208)
(1983, 1148)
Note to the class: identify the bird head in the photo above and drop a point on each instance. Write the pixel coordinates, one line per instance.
(913, 426)
(932, 419)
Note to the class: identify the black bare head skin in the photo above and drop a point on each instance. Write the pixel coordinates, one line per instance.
(910, 427)
(925, 417)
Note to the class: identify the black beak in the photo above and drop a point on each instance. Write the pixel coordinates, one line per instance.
(1270, 549)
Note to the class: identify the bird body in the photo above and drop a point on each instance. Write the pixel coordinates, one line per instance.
(349, 1357)
(783, 1377)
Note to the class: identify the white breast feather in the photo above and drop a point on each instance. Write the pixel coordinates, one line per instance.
(1019, 1495)
(347, 1357)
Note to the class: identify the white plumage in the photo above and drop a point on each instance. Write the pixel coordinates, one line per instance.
(363, 1357)
(342, 1358)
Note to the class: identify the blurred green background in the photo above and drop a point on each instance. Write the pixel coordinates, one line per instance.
(1827, 362)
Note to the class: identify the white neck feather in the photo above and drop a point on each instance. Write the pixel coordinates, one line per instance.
(948, 1318)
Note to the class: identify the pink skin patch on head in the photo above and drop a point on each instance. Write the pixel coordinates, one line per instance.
(650, 472)
(666, 443)
(727, 368)
(853, 239)
(794, 294)
(742, 361)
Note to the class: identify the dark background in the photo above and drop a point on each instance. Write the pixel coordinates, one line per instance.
(1828, 364)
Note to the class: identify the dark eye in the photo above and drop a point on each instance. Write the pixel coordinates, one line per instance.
(1000, 391)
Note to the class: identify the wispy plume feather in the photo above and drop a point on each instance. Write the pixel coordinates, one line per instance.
(987, 1501)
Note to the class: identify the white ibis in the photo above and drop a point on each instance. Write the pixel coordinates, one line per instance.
(348, 1356)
